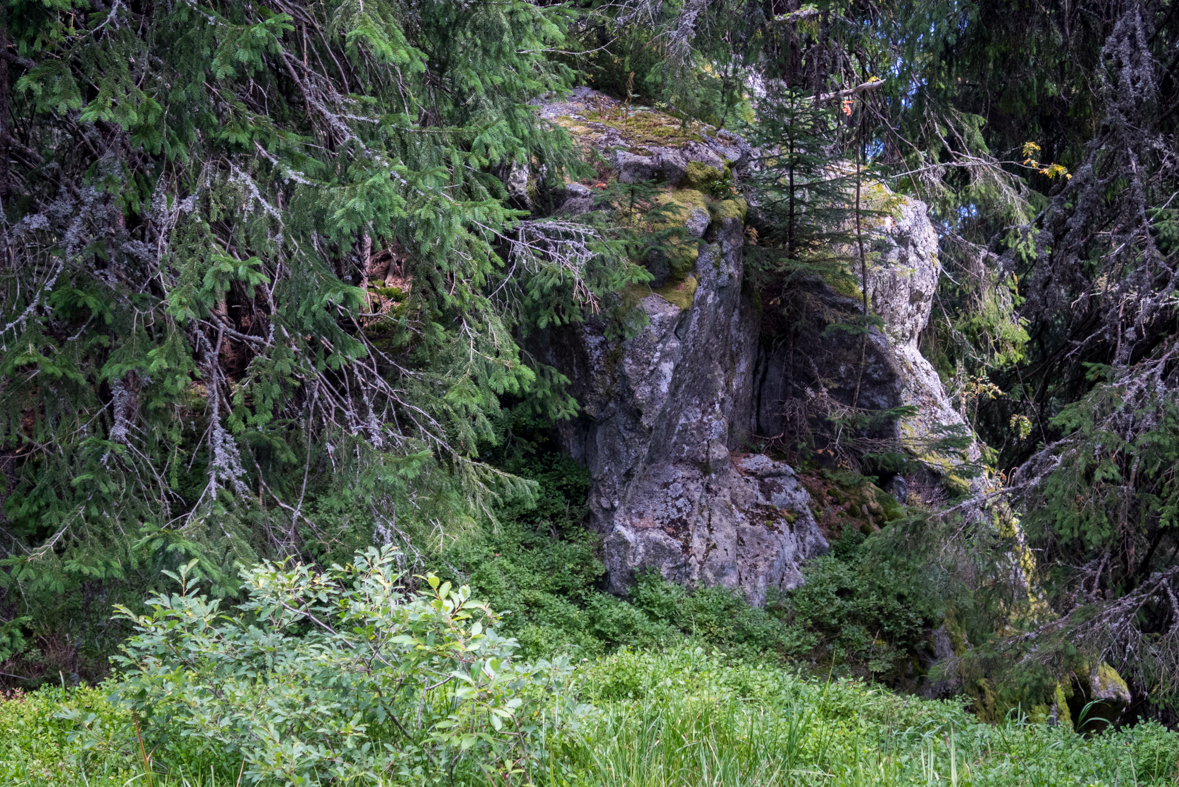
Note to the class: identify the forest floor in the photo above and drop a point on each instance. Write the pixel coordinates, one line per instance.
(683, 718)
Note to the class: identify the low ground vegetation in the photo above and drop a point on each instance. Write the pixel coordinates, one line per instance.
(682, 717)
(859, 613)
(368, 674)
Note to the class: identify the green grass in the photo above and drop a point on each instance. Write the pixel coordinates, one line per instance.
(683, 718)
(39, 747)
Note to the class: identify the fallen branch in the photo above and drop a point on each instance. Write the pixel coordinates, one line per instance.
(795, 16)
(871, 84)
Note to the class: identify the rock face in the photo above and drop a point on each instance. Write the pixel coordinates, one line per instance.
(665, 413)
(657, 427)
(808, 371)
(902, 280)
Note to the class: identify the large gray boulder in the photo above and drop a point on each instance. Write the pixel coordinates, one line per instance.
(667, 413)
(657, 433)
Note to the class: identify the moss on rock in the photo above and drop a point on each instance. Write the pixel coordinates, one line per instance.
(701, 176)
(640, 127)
(1062, 695)
(736, 208)
(956, 633)
(683, 208)
(683, 199)
(1106, 681)
(679, 294)
(845, 286)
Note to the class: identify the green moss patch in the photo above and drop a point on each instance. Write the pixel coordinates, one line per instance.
(845, 286)
(1062, 696)
(1106, 676)
(701, 176)
(646, 127)
(736, 208)
(683, 202)
(679, 294)
(677, 207)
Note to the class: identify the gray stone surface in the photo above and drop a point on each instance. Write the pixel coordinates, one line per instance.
(633, 169)
(665, 412)
(810, 369)
(697, 222)
(575, 199)
(902, 281)
(656, 434)
(950, 683)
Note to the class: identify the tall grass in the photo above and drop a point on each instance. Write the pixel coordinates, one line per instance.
(683, 719)
(694, 741)
(41, 744)
(680, 719)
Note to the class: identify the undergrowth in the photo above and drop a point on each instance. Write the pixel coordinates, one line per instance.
(856, 612)
(685, 717)
(674, 687)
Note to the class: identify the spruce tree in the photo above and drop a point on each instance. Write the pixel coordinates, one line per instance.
(262, 282)
(807, 183)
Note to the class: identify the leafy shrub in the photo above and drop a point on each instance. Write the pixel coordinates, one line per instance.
(538, 566)
(849, 612)
(340, 677)
(715, 616)
(856, 612)
(616, 622)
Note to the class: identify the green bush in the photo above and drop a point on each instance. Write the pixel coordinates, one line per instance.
(340, 677)
(856, 614)
(538, 566)
(849, 613)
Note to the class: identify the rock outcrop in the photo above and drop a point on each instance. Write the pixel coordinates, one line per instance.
(902, 281)
(664, 410)
(806, 372)
(666, 413)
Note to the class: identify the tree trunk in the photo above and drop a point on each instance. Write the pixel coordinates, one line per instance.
(3, 112)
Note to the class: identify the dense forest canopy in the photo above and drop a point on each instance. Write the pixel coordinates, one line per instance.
(269, 267)
(282, 284)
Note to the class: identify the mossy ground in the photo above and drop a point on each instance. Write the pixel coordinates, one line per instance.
(645, 127)
(842, 500)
